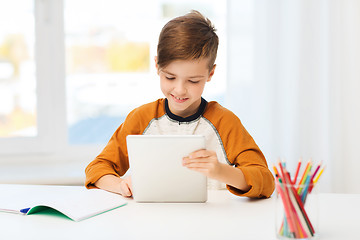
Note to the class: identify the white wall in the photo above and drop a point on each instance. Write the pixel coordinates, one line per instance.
(303, 99)
(344, 77)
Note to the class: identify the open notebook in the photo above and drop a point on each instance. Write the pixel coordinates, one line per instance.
(74, 202)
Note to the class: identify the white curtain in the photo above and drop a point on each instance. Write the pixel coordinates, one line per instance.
(303, 99)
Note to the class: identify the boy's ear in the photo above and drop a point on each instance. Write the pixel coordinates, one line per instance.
(211, 73)
(156, 65)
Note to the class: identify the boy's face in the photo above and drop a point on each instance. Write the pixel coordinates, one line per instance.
(182, 82)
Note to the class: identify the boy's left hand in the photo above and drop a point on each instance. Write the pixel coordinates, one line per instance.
(203, 161)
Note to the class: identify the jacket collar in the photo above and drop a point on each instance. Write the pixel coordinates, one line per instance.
(193, 117)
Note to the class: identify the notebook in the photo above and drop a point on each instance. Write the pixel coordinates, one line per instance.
(72, 202)
(156, 168)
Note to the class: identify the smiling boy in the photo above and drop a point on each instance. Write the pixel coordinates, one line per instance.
(185, 62)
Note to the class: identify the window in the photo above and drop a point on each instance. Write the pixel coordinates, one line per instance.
(110, 51)
(17, 70)
(70, 71)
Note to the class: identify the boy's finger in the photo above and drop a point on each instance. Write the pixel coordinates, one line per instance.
(129, 183)
(130, 189)
(125, 190)
(200, 154)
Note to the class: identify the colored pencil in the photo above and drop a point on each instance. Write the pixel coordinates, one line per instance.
(298, 202)
(307, 166)
(275, 170)
(318, 176)
(289, 216)
(297, 171)
(304, 176)
(313, 176)
(296, 222)
(315, 172)
(306, 189)
(300, 218)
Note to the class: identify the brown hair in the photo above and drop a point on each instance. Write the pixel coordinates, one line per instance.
(191, 36)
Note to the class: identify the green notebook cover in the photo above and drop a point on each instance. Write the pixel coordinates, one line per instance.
(69, 202)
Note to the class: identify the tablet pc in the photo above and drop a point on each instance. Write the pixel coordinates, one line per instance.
(156, 168)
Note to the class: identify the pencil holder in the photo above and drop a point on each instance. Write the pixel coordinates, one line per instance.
(297, 211)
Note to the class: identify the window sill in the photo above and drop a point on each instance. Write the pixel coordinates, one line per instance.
(49, 174)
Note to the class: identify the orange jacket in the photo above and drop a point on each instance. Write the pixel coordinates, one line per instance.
(223, 132)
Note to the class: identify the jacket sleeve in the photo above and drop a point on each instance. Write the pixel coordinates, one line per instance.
(257, 175)
(114, 158)
(244, 154)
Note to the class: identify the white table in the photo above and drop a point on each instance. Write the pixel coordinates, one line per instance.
(224, 216)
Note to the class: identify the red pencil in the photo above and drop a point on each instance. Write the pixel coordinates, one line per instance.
(301, 205)
(281, 169)
(312, 177)
(286, 203)
(316, 170)
(297, 171)
(306, 171)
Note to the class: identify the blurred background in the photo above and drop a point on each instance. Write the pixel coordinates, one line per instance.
(70, 72)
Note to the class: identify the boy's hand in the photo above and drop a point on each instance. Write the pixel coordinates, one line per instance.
(115, 184)
(126, 187)
(206, 162)
(203, 161)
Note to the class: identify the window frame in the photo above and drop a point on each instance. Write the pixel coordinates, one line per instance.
(51, 143)
(50, 87)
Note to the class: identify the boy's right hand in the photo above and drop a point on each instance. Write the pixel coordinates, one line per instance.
(126, 187)
(115, 184)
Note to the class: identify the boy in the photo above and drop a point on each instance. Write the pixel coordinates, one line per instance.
(185, 59)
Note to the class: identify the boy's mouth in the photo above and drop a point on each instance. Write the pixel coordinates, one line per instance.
(179, 100)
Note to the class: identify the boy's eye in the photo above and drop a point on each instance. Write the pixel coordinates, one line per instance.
(170, 78)
(193, 81)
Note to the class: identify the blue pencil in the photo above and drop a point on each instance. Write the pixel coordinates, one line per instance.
(306, 189)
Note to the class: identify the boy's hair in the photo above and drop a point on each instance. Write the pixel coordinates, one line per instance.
(187, 37)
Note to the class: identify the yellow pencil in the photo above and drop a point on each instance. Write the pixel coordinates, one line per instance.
(304, 176)
(319, 174)
(306, 172)
(275, 170)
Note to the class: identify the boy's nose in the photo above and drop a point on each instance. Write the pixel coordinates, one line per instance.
(180, 89)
